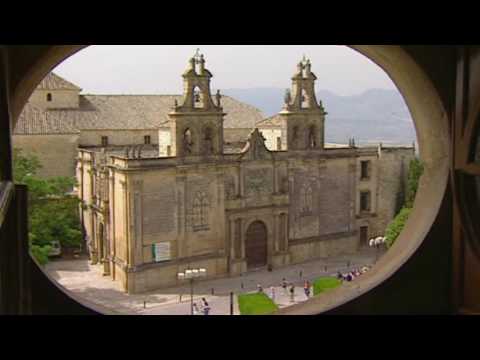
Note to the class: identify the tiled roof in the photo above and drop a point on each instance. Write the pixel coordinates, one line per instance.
(54, 82)
(123, 112)
(274, 121)
(34, 121)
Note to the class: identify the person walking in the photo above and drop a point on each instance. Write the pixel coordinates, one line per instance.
(196, 311)
(206, 307)
(284, 285)
(272, 290)
(292, 293)
(306, 288)
(260, 288)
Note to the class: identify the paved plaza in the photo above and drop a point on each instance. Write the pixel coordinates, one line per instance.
(86, 281)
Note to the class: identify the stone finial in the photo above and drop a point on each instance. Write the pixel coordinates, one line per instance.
(218, 96)
(288, 97)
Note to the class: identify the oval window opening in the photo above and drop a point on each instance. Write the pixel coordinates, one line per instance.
(300, 210)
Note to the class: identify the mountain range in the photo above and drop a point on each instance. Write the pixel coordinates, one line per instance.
(376, 115)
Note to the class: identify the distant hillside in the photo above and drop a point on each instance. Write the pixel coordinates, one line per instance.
(377, 115)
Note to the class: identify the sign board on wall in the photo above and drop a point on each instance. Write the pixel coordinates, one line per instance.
(161, 252)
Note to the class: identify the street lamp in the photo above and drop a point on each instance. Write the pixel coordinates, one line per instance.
(191, 275)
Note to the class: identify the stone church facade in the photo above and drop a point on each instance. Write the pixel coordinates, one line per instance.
(199, 204)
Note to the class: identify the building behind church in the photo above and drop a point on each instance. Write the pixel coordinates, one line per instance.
(284, 197)
(58, 119)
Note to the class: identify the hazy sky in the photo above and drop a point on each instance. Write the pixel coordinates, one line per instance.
(157, 69)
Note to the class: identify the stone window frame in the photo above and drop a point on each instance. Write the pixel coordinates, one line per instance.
(147, 140)
(200, 209)
(306, 200)
(368, 209)
(104, 141)
(49, 97)
(367, 176)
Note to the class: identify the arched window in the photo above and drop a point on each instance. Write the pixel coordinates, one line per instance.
(187, 142)
(312, 137)
(49, 97)
(200, 212)
(305, 100)
(306, 200)
(294, 140)
(198, 98)
(208, 141)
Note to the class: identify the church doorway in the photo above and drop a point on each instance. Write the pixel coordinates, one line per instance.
(256, 245)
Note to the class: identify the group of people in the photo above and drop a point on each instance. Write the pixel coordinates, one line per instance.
(288, 289)
(204, 308)
(352, 275)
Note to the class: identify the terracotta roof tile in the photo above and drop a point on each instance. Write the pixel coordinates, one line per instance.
(123, 112)
(54, 82)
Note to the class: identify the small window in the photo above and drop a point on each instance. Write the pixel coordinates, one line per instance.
(279, 143)
(148, 140)
(365, 172)
(49, 97)
(104, 140)
(365, 201)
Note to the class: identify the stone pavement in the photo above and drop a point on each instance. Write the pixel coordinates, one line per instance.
(87, 281)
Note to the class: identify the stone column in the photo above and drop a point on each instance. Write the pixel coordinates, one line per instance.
(242, 237)
(112, 234)
(276, 188)
(276, 232)
(232, 238)
(181, 213)
(241, 187)
(137, 233)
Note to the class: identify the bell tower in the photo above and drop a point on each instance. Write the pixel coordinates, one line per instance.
(197, 124)
(304, 116)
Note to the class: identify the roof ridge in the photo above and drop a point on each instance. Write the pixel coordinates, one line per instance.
(55, 82)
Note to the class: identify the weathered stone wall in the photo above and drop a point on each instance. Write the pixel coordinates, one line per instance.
(305, 251)
(117, 137)
(56, 153)
(155, 276)
(321, 198)
(186, 210)
(164, 142)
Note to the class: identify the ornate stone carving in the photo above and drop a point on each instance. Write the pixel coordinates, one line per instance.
(256, 148)
(258, 182)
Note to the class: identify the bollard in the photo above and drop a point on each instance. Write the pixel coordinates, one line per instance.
(144, 304)
(301, 274)
(213, 291)
(242, 285)
(231, 303)
(326, 269)
(180, 299)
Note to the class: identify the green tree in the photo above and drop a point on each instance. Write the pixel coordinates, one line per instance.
(394, 229)
(415, 172)
(396, 226)
(53, 213)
